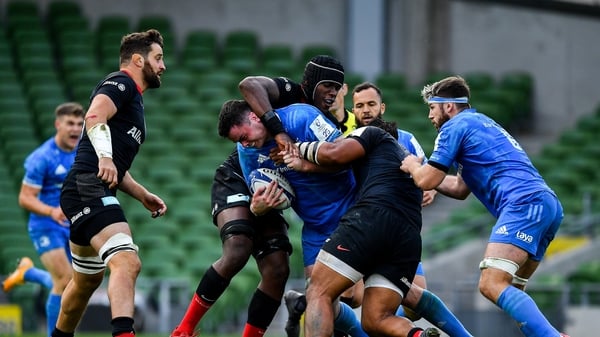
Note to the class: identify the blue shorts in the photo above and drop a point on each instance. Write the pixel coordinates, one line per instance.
(49, 238)
(312, 241)
(529, 225)
(420, 270)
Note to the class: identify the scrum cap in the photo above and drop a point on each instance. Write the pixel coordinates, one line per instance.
(321, 68)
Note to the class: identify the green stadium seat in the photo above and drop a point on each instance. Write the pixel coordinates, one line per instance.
(238, 40)
(116, 23)
(60, 8)
(392, 81)
(479, 81)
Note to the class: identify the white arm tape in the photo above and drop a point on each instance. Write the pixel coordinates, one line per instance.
(99, 136)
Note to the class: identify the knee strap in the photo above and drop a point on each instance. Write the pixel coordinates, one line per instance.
(88, 265)
(119, 242)
(273, 244)
(237, 227)
(499, 263)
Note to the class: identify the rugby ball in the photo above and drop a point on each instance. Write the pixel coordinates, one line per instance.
(264, 176)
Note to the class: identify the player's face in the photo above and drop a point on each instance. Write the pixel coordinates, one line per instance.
(251, 134)
(325, 95)
(68, 131)
(438, 115)
(338, 104)
(367, 106)
(154, 66)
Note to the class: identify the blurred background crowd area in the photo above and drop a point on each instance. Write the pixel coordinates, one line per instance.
(531, 65)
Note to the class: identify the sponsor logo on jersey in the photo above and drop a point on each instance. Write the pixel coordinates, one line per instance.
(502, 231)
(321, 128)
(136, 134)
(60, 169)
(524, 237)
(74, 218)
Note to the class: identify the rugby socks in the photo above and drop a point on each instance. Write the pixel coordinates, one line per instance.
(52, 309)
(261, 311)
(58, 333)
(435, 312)
(518, 305)
(348, 323)
(210, 288)
(122, 327)
(40, 276)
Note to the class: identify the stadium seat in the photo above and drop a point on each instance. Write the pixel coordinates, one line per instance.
(479, 80)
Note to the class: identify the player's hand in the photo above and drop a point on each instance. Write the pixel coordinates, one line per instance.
(428, 197)
(154, 204)
(292, 160)
(107, 172)
(410, 162)
(283, 141)
(57, 215)
(266, 198)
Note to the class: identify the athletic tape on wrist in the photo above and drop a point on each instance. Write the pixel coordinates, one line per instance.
(99, 135)
(272, 122)
(309, 150)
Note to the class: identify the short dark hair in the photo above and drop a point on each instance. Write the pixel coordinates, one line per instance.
(367, 85)
(140, 43)
(233, 112)
(389, 127)
(449, 87)
(69, 109)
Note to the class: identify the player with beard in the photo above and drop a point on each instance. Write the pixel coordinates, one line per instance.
(242, 233)
(100, 236)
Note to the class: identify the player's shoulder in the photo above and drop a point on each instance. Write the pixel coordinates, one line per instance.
(117, 80)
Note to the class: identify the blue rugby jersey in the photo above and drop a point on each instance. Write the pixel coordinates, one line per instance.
(46, 168)
(491, 162)
(321, 198)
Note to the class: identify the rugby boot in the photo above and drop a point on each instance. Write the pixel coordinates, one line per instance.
(17, 277)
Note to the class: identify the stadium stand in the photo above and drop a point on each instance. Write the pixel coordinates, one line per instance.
(47, 60)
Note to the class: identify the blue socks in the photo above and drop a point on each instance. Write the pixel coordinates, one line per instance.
(52, 309)
(40, 276)
(435, 311)
(518, 305)
(347, 322)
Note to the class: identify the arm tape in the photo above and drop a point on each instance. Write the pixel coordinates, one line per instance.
(309, 150)
(99, 135)
(272, 122)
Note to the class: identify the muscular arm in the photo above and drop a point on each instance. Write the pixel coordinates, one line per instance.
(259, 92)
(454, 187)
(340, 153)
(151, 201)
(28, 200)
(425, 176)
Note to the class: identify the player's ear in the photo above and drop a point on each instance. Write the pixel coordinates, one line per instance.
(138, 60)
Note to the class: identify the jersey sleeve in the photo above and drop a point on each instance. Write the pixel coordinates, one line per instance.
(121, 89)
(447, 144)
(290, 92)
(35, 170)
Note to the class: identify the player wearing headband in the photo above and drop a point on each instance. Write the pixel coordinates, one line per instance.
(493, 166)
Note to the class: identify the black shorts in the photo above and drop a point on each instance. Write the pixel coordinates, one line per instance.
(229, 188)
(89, 205)
(375, 240)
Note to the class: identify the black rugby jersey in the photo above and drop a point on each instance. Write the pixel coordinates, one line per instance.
(378, 176)
(127, 126)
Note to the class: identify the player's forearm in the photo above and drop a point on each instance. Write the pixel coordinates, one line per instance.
(132, 187)
(34, 205)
